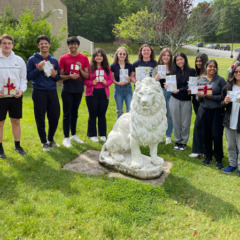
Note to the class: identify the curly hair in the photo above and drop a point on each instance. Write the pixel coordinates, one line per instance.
(115, 58)
(104, 63)
(140, 56)
(231, 78)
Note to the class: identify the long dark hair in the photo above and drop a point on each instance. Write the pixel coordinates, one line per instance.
(175, 68)
(231, 78)
(140, 56)
(204, 59)
(160, 61)
(104, 63)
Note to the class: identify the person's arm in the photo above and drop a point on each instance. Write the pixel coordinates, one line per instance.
(32, 71)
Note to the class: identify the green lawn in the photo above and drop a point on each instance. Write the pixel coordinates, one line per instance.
(40, 200)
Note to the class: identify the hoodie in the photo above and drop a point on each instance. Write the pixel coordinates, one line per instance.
(39, 80)
(13, 66)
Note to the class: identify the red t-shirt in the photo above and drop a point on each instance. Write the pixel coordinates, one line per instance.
(68, 62)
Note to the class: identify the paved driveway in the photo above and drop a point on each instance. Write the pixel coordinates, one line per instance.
(212, 52)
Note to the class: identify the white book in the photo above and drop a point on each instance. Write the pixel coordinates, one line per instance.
(123, 74)
(192, 85)
(142, 72)
(99, 75)
(234, 96)
(162, 71)
(47, 68)
(171, 82)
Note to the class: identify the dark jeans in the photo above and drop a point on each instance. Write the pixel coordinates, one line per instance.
(46, 102)
(213, 133)
(71, 102)
(97, 108)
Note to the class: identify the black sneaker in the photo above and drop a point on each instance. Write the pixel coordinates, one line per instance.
(182, 147)
(219, 165)
(46, 147)
(176, 146)
(207, 162)
(53, 144)
(20, 150)
(2, 154)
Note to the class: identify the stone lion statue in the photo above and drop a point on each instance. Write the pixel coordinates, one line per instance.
(145, 125)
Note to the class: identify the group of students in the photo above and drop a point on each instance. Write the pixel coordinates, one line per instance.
(213, 111)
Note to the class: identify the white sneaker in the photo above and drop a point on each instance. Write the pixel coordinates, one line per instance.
(94, 139)
(66, 142)
(193, 155)
(168, 140)
(103, 138)
(76, 139)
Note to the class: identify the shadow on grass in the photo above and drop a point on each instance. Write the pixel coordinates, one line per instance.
(184, 193)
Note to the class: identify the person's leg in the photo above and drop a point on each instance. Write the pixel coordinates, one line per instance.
(92, 110)
(128, 97)
(186, 114)
(67, 106)
(102, 109)
(16, 128)
(175, 111)
(40, 108)
(195, 104)
(53, 114)
(232, 140)
(169, 131)
(118, 96)
(77, 97)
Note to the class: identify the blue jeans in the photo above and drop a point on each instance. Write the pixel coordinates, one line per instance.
(167, 96)
(122, 93)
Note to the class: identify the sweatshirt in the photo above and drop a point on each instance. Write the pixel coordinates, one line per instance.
(13, 66)
(39, 80)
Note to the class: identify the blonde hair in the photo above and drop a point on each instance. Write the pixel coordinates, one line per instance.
(115, 58)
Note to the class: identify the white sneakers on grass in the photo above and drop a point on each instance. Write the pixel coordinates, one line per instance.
(94, 139)
(76, 139)
(103, 138)
(168, 140)
(67, 141)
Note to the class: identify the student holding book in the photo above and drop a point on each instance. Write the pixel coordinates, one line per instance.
(97, 94)
(231, 120)
(197, 146)
(180, 102)
(122, 69)
(146, 58)
(210, 112)
(165, 58)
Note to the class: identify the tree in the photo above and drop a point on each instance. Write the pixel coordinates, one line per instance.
(170, 23)
(25, 31)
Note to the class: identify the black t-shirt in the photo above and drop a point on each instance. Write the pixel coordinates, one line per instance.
(151, 64)
(115, 68)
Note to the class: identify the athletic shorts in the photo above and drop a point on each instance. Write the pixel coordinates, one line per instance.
(11, 105)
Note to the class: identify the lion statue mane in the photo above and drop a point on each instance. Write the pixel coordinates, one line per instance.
(144, 125)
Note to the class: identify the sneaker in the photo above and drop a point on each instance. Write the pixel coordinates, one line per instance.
(66, 142)
(229, 169)
(46, 147)
(194, 155)
(182, 147)
(207, 162)
(20, 150)
(2, 154)
(219, 165)
(94, 139)
(176, 146)
(168, 140)
(53, 144)
(103, 138)
(76, 139)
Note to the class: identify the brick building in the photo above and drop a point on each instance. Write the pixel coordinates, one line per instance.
(58, 17)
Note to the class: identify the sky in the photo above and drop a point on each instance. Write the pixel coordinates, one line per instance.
(198, 1)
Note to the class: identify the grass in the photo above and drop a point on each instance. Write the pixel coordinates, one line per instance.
(40, 200)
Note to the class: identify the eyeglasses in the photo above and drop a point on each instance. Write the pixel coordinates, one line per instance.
(7, 43)
(236, 72)
(45, 43)
(122, 54)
